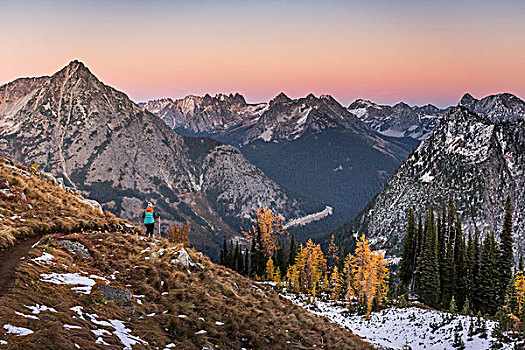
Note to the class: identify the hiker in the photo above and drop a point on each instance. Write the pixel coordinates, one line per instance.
(149, 215)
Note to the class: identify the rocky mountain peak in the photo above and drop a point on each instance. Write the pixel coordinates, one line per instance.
(498, 108)
(281, 98)
(467, 100)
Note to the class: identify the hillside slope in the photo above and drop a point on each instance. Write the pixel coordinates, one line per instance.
(109, 288)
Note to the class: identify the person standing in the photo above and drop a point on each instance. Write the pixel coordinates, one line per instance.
(149, 215)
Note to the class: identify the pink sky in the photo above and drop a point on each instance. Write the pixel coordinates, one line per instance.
(415, 51)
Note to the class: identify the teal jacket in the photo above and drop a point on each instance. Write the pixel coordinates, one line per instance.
(149, 217)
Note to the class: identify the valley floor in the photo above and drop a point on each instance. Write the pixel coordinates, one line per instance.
(405, 328)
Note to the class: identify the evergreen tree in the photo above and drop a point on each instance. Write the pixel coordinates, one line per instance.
(240, 260)
(260, 255)
(470, 260)
(293, 249)
(230, 257)
(420, 239)
(459, 266)
(408, 253)
(280, 259)
(442, 242)
(488, 279)
(246, 262)
(448, 275)
(253, 257)
(429, 288)
(453, 307)
(475, 266)
(224, 252)
(506, 251)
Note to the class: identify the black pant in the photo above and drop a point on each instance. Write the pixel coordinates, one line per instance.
(149, 229)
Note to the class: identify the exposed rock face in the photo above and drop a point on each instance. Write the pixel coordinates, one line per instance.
(104, 145)
(400, 120)
(476, 160)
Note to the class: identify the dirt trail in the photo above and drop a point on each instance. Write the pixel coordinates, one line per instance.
(9, 261)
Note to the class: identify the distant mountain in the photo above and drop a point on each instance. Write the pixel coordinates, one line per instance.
(110, 149)
(205, 115)
(400, 120)
(476, 155)
(497, 108)
(312, 145)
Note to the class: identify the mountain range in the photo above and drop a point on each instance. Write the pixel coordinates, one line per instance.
(400, 120)
(108, 148)
(313, 145)
(475, 156)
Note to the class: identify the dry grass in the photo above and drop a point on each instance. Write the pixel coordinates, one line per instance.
(233, 311)
(254, 317)
(36, 207)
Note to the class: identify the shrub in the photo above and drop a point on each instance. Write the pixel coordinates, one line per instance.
(179, 234)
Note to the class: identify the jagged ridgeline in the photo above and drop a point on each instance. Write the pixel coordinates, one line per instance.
(104, 145)
(477, 158)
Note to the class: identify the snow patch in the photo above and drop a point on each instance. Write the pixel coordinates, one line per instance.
(45, 258)
(85, 283)
(18, 331)
(427, 178)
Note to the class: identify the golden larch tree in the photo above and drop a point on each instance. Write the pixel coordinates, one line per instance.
(270, 227)
(367, 275)
(519, 284)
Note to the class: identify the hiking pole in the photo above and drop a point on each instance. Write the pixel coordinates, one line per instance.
(160, 234)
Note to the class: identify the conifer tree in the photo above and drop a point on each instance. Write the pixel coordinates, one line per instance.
(235, 260)
(280, 260)
(293, 249)
(253, 258)
(240, 261)
(429, 288)
(408, 253)
(333, 252)
(246, 262)
(475, 262)
(469, 259)
(419, 248)
(448, 275)
(224, 252)
(442, 243)
(459, 266)
(230, 257)
(506, 251)
(489, 276)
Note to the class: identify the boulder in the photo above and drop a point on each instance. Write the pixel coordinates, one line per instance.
(92, 203)
(183, 258)
(115, 294)
(75, 248)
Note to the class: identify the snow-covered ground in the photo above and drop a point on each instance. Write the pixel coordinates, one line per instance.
(396, 328)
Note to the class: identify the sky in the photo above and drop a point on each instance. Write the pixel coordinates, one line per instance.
(382, 50)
